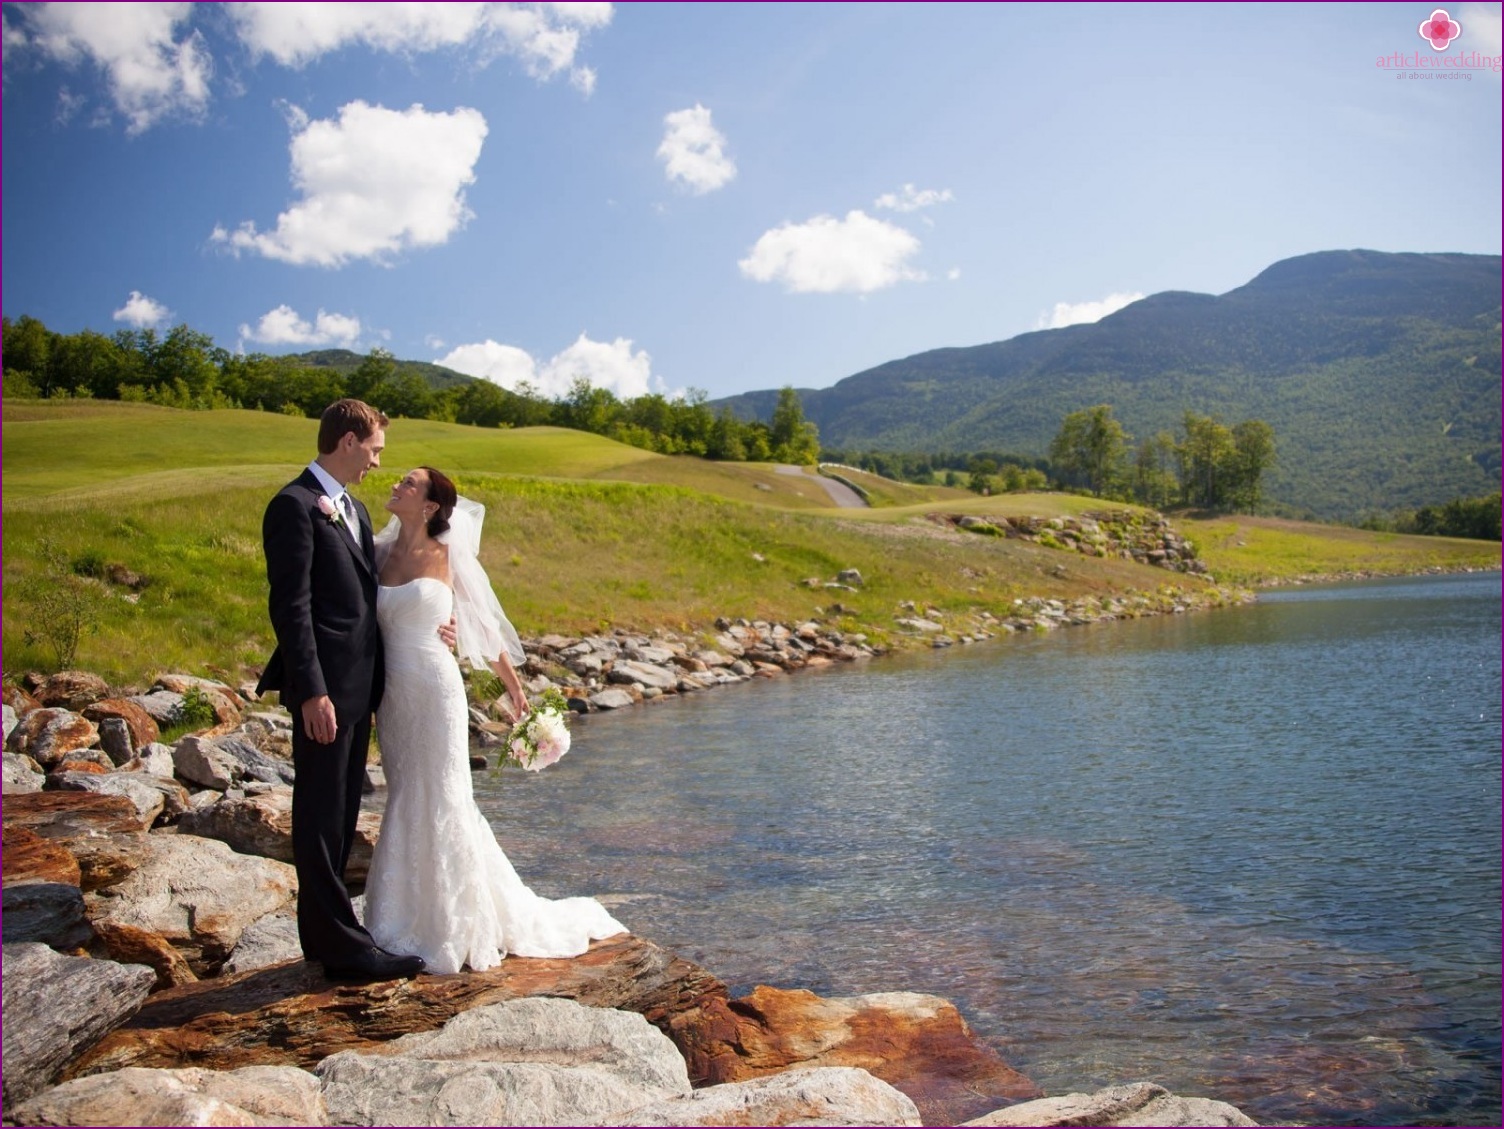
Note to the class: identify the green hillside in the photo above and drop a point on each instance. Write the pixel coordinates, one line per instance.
(1378, 372)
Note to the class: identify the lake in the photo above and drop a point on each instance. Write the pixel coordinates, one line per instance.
(1250, 854)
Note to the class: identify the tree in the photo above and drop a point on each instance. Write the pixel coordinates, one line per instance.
(792, 438)
(1154, 482)
(1089, 449)
(1253, 453)
(1205, 458)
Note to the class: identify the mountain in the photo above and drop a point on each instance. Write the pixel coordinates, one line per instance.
(344, 361)
(1378, 372)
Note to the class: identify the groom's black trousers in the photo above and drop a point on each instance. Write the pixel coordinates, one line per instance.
(325, 806)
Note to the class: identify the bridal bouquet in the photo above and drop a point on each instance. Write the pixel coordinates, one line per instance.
(542, 737)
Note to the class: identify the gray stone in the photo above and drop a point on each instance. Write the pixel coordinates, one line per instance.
(154, 760)
(650, 654)
(256, 765)
(258, 821)
(148, 800)
(56, 1007)
(252, 1095)
(268, 940)
(917, 624)
(22, 774)
(531, 1061)
(611, 699)
(643, 674)
(164, 706)
(1137, 1103)
(201, 761)
(828, 1095)
(10, 721)
(49, 913)
(115, 739)
(197, 893)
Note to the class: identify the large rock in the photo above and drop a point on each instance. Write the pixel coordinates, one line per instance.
(1138, 1103)
(29, 857)
(142, 726)
(259, 822)
(268, 940)
(162, 706)
(201, 761)
(291, 1015)
(104, 833)
(197, 893)
(130, 944)
(643, 674)
(253, 1095)
(524, 1062)
(48, 735)
(56, 1006)
(223, 700)
(22, 774)
(919, 1044)
(154, 760)
(148, 800)
(831, 1095)
(50, 913)
(255, 764)
(613, 698)
(72, 690)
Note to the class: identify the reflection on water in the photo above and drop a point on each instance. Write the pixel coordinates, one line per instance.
(1250, 854)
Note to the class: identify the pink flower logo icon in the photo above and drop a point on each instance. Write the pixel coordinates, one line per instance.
(1440, 29)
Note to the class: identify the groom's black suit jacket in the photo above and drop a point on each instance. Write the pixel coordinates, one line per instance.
(323, 604)
(323, 610)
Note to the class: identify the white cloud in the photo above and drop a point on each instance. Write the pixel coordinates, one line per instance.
(606, 364)
(693, 151)
(433, 341)
(545, 37)
(1480, 28)
(374, 182)
(911, 199)
(141, 311)
(150, 72)
(953, 274)
(826, 255)
(283, 326)
(1082, 313)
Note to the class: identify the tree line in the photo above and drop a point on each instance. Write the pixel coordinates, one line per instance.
(183, 368)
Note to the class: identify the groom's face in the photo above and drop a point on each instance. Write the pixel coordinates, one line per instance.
(366, 454)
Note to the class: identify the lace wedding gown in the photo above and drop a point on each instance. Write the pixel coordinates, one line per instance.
(439, 884)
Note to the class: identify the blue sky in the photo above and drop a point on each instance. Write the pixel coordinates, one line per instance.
(714, 196)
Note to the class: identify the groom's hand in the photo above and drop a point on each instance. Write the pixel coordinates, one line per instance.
(318, 719)
(448, 633)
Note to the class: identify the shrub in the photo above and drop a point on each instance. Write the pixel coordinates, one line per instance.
(64, 605)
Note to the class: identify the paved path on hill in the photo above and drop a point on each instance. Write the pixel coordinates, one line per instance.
(840, 493)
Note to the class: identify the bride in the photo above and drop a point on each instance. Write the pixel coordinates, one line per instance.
(439, 884)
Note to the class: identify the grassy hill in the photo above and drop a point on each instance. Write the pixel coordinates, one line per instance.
(1378, 372)
(582, 534)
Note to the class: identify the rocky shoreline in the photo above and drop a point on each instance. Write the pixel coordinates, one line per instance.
(153, 974)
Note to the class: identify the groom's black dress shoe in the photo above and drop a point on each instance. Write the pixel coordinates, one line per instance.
(373, 964)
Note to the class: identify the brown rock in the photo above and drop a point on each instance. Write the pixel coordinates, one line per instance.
(142, 727)
(81, 766)
(106, 834)
(72, 690)
(19, 700)
(260, 823)
(31, 858)
(131, 944)
(290, 1015)
(48, 735)
(221, 697)
(919, 1044)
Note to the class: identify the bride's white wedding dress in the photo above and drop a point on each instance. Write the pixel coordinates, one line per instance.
(439, 884)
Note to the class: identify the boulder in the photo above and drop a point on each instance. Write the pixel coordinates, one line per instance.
(50, 913)
(115, 740)
(154, 759)
(642, 674)
(22, 774)
(162, 706)
(49, 734)
(290, 1014)
(268, 940)
(919, 1044)
(85, 760)
(56, 1006)
(72, 690)
(524, 1062)
(130, 944)
(104, 833)
(613, 698)
(142, 726)
(18, 699)
(253, 1095)
(224, 700)
(201, 761)
(829, 1095)
(259, 822)
(147, 799)
(1138, 1103)
(849, 576)
(254, 764)
(11, 719)
(29, 857)
(197, 893)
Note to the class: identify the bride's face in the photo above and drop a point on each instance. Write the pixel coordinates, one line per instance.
(409, 499)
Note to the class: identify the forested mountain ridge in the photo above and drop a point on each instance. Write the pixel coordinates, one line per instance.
(1379, 373)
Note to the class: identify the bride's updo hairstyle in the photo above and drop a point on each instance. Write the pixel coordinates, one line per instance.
(441, 491)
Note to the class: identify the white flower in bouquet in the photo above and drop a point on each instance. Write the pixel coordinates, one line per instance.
(542, 737)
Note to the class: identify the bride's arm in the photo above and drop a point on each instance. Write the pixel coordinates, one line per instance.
(508, 675)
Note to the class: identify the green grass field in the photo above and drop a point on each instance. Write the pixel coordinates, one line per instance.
(582, 534)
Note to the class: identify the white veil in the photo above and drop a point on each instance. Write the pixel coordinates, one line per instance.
(482, 630)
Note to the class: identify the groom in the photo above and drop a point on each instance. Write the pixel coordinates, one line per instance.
(320, 562)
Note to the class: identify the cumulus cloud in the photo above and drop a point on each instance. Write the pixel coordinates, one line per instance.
(283, 326)
(693, 151)
(1481, 25)
(606, 364)
(825, 255)
(545, 37)
(912, 199)
(141, 311)
(1082, 313)
(374, 182)
(150, 69)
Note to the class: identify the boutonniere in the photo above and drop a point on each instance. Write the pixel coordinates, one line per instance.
(330, 510)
